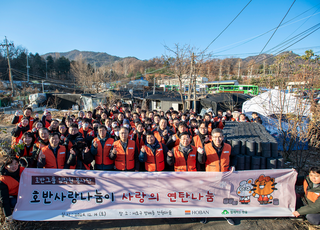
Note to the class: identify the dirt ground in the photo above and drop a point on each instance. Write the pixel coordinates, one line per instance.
(156, 224)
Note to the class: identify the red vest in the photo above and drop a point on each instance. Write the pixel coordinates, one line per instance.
(213, 163)
(102, 158)
(26, 153)
(51, 160)
(124, 160)
(13, 185)
(180, 163)
(154, 162)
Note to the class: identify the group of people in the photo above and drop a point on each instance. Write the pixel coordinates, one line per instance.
(116, 138)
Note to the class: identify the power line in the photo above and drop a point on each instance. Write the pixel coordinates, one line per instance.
(282, 44)
(245, 41)
(291, 44)
(276, 29)
(227, 26)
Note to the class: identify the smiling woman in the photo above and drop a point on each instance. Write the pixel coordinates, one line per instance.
(9, 184)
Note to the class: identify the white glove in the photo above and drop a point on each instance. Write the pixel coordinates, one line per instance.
(16, 113)
(196, 131)
(200, 150)
(37, 115)
(174, 138)
(45, 112)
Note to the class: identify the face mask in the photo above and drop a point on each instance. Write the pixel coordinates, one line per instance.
(86, 125)
(116, 133)
(126, 125)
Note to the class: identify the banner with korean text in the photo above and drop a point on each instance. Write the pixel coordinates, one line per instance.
(50, 194)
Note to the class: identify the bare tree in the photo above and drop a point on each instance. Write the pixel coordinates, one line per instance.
(179, 65)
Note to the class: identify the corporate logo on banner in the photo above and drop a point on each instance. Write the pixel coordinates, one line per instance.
(197, 212)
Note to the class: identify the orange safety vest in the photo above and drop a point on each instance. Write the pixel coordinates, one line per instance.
(124, 160)
(177, 142)
(82, 132)
(139, 143)
(52, 161)
(310, 195)
(213, 163)
(180, 163)
(102, 158)
(31, 119)
(154, 162)
(13, 185)
(130, 136)
(159, 137)
(220, 125)
(197, 142)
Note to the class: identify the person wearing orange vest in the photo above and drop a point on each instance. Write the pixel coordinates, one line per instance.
(309, 203)
(100, 149)
(9, 185)
(174, 140)
(217, 156)
(125, 153)
(153, 154)
(228, 116)
(162, 132)
(217, 153)
(219, 120)
(54, 155)
(200, 140)
(184, 156)
(17, 133)
(25, 154)
(138, 135)
(211, 125)
(46, 119)
(86, 132)
(73, 137)
(26, 113)
(42, 142)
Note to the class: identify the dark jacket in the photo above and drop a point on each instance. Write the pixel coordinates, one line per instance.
(310, 207)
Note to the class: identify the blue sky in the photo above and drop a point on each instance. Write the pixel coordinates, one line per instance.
(142, 28)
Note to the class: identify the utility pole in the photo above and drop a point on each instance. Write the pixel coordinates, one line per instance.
(239, 69)
(220, 71)
(251, 71)
(264, 68)
(10, 73)
(28, 67)
(194, 84)
(46, 69)
(42, 86)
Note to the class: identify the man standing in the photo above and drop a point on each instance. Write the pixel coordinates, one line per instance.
(153, 154)
(217, 156)
(100, 149)
(125, 152)
(184, 156)
(54, 155)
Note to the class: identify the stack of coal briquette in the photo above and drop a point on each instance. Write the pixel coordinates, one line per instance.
(253, 146)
